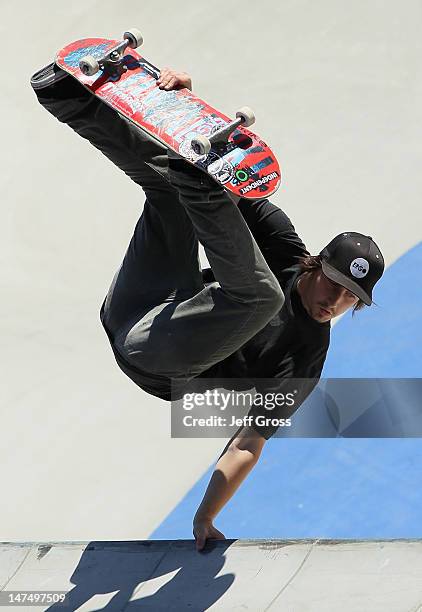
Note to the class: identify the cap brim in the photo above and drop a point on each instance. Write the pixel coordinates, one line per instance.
(345, 281)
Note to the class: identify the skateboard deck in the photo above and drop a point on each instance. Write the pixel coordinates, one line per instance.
(243, 163)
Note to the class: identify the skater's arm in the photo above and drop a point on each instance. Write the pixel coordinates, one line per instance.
(236, 461)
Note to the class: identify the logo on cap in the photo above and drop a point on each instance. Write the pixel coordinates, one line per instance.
(359, 267)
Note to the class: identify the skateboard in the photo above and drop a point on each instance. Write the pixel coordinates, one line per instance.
(232, 155)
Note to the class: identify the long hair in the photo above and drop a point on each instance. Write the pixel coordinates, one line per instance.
(313, 262)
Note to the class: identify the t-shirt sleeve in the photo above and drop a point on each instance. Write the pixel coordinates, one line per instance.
(278, 399)
(274, 234)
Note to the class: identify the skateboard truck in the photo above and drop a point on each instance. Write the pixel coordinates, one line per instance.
(112, 61)
(201, 144)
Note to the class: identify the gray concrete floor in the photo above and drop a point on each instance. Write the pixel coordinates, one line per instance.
(256, 575)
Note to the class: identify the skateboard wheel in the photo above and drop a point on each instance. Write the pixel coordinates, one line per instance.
(247, 116)
(89, 65)
(201, 145)
(134, 37)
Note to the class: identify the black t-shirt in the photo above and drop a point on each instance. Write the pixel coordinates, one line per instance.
(291, 345)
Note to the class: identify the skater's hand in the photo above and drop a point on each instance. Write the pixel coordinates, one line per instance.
(170, 79)
(203, 529)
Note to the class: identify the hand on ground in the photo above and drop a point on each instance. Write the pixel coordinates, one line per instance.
(203, 529)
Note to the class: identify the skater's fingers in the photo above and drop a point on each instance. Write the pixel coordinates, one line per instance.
(163, 75)
(172, 82)
(200, 542)
(170, 79)
(200, 534)
(164, 83)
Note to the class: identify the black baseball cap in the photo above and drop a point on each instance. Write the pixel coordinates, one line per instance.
(355, 262)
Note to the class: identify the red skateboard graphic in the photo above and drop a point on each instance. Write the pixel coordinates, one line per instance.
(225, 149)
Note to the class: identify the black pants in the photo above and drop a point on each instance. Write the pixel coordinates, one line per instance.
(158, 314)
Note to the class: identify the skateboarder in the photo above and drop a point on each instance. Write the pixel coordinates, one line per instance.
(262, 310)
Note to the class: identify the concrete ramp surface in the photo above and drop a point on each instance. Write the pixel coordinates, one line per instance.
(288, 575)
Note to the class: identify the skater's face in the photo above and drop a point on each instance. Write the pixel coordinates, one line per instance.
(322, 298)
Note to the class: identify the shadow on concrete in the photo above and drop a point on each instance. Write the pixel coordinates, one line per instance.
(158, 574)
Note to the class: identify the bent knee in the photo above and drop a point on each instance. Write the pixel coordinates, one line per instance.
(278, 299)
(271, 293)
(274, 302)
(269, 303)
